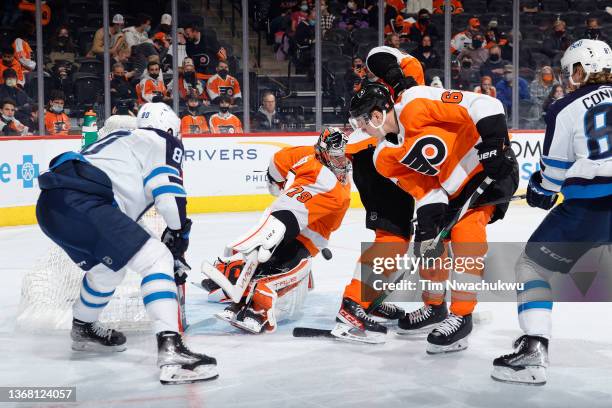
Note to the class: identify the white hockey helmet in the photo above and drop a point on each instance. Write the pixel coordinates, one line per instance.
(117, 122)
(594, 56)
(158, 115)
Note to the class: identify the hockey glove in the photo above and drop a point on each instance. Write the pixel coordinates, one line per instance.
(491, 154)
(177, 241)
(538, 196)
(180, 271)
(429, 219)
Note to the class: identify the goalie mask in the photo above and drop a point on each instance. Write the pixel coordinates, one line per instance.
(330, 150)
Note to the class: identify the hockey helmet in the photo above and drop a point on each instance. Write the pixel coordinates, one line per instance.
(595, 56)
(372, 96)
(330, 150)
(158, 115)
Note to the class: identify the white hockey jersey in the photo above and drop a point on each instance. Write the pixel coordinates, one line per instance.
(577, 152)
(145, 168)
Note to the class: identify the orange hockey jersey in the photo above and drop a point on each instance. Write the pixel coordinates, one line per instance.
(434, 157)
(225, 124)
(57, 123)
(194, 124)
(410, 65)
(217, 86)
(312, 193)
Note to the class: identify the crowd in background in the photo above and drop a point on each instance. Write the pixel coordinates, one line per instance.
(140, 48)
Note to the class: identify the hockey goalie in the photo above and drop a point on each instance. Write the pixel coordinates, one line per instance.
(267, 271)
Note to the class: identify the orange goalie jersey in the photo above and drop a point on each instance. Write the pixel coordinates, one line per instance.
(311, 192)
(434, 157)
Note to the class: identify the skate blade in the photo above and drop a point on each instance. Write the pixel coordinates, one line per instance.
(91, 347)
(416, 332)
(349, 333)
(225, 317)
(176, 374)
(459, 345)
(531, 375)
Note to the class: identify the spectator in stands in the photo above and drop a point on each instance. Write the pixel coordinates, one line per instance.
(491, 38)
(557, 41)
(117, 39)
(189, 84)
(423, 27)
(151, 87)
(139, 32)
(224, 121)
(9, 61)
(121, 88)
(398, 5)
(267, 117)
(9, 125)
(23, 51)
(222, 83)
(304, 39)
(164, 30)
(464, 38)
(593, 30)
(193, 121)
(353, 15)
(504, 89)
(438, 6)
(400, 27)
(476, 51)
(494, 65)
(299, 14)
(61, 42)
(181, 46)
(457, 79)
(10, 90)
(469, 72)
(555, 94)
(541, 86)
(354, 76)
(31, 119)
(327, 18)
(204, 50)
(427, 55)
(486, 86)
(62, 77)
(56, 120)
(393, 40)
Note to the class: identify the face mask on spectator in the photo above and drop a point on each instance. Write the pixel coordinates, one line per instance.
(424, 20)
(224, 109)
(426, 48)
(312, 22)
(494, 57)
(57, 108)
(466, 64)
(223, 73)
(547, 77)
(304, 7)
(351, 5)
(560, 33)
(508, 76)
(7, 118)
(12, 82)
(147, 28)
(476, 44)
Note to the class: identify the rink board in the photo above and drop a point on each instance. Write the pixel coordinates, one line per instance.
(221, 173)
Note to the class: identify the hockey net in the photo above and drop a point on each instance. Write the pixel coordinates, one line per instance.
(49, 290)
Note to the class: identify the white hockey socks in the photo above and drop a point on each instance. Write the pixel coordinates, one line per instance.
(156, 266)
(97, 288)
(535, 300)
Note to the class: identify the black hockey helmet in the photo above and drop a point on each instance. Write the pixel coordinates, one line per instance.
(371, 96)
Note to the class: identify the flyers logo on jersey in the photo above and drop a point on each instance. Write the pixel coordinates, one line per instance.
(425, 154)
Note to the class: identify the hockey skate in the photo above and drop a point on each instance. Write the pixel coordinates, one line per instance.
(229, 313)
(354, 324)
(389, 311)
(451, 335)
(527, 365)
(422, 320)
(95, 337)
(179, 365)
(250, 320)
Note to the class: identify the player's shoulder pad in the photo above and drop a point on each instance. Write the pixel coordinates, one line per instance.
(159, 136)
(557, 107)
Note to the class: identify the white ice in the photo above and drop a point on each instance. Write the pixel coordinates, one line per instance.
(277, 370)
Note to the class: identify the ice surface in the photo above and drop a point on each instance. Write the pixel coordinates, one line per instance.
(278, 370)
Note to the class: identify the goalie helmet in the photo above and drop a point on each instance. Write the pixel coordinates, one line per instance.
(595, 56)
(330, 150)
(158, 115)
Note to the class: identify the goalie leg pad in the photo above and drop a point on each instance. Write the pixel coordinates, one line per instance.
(282, 296)
(264, 238)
